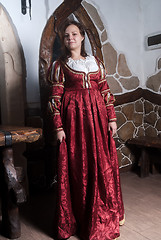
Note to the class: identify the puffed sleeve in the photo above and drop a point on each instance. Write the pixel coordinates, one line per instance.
(56, 79)
(106, 94)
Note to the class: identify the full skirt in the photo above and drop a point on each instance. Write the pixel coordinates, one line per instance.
(89, 199)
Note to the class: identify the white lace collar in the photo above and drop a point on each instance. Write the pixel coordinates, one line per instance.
(88, 64)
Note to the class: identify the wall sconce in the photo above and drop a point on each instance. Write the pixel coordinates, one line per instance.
(24, 7)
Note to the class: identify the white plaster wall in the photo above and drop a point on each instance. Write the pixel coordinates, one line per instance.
(151, 25)
(123, 22)
(127, 23)
(30, 32)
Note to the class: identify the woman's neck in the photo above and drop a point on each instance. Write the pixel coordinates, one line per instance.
(76, 55)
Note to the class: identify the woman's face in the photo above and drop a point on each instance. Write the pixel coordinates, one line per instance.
(73, 38)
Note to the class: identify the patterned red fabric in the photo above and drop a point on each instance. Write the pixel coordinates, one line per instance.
(89, 199)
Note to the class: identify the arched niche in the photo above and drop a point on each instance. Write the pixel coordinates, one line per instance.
(49, 36)
(12, 73)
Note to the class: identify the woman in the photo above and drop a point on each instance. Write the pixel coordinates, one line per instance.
(89, 200)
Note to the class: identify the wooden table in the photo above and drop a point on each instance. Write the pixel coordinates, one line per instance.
(144, 143)
(12, 192)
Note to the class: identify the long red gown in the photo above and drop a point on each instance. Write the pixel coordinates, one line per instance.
(89, 199)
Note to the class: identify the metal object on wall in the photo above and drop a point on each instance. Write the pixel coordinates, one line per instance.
(24, 7)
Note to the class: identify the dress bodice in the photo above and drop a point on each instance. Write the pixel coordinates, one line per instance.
(64, 78)
(82, 73)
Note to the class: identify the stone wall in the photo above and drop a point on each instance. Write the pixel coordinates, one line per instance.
(154, 81)
(119, 76)
(140, 117)
(134, 119)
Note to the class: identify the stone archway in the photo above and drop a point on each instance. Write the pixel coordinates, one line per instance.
(12, 77)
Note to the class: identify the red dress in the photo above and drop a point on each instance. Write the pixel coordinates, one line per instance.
(89, 199)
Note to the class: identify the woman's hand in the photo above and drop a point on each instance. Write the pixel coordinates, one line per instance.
(113, 127)
(60, 135)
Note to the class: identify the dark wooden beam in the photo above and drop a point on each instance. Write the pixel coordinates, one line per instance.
(137, 94)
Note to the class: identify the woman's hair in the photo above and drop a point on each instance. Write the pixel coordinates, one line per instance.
(64, 50)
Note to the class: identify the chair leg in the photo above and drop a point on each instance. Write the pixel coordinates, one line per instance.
(144, 163)
(11, 227)
(10, 213)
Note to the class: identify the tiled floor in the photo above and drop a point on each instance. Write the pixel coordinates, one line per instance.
(142, 199)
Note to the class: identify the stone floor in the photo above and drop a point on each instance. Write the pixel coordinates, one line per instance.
(142, 199)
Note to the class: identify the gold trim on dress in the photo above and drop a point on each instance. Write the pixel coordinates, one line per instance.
(58, 85)
(55, 96)
(50, 107)
(56, 113)
(111, 104)
(57, 73)
(112, 119)
(58, 129)
(107, 90)
(102, 81)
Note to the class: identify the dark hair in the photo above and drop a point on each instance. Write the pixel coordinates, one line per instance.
(65, 51)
